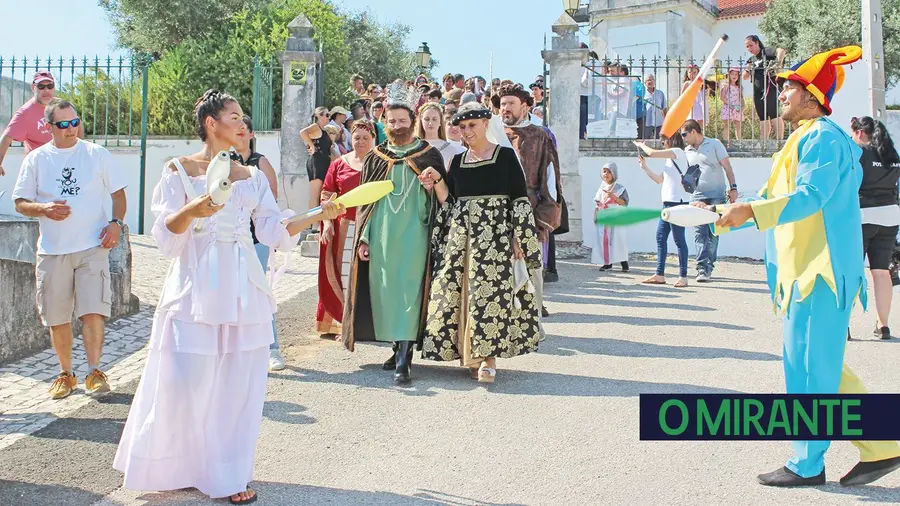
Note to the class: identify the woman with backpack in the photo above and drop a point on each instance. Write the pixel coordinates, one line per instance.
(673, 194)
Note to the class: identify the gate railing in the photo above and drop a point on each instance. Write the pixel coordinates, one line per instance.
(106, 92)
(266, 109)
(614, 95)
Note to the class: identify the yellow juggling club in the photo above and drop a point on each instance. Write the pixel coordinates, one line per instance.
(361, 195)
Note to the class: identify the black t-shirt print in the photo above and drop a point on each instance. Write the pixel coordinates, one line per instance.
(759, 62)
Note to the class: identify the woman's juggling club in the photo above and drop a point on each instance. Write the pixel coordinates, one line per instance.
(681, 109)
(363, 194)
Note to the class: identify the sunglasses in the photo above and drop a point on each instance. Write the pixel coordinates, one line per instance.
(62, 125)
(46, 86)
(325, 115)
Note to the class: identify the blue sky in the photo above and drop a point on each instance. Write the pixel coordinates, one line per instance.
(460, 33)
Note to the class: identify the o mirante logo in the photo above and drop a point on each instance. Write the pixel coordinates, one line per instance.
(769, 416)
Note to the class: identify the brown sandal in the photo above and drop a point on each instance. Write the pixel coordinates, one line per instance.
(252, 498)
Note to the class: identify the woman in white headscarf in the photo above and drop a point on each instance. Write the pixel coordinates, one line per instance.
(610, 247)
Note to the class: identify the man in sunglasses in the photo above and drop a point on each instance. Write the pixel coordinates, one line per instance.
(27, 124)
(64, 184)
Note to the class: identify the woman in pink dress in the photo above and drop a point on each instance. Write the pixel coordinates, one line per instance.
(197, 411)
(343, 176)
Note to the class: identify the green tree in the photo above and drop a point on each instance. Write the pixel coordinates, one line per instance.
(224, 60)
(378, 52)
(806, 27)
(154, 26)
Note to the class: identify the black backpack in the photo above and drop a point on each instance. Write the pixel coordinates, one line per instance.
(690, 178)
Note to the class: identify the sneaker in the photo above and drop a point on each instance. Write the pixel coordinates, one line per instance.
(63, 386)
(96, 383)
(276, 360)
(883, 333)
(702, 277)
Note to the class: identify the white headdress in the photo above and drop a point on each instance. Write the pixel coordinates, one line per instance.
(399, 94)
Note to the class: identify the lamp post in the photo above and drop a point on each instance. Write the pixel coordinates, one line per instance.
(576, 11)
(423, 58)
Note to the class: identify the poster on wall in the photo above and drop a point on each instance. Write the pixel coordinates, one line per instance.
(299, 71)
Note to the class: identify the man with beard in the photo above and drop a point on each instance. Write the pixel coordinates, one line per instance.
(810, 208)
(390, 268)
(538, 157)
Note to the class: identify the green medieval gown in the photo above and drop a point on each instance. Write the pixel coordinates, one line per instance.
(474, 310)
(386, 295)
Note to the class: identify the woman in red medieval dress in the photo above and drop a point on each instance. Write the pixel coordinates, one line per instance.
(343, 176)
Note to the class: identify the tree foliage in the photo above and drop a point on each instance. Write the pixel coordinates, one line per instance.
(378, 51)
(193, 54)
(806, 27)
(153, 26)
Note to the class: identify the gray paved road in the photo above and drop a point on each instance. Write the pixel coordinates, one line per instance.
(559, 426)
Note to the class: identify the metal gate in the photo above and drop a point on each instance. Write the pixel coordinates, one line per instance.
(263, 109)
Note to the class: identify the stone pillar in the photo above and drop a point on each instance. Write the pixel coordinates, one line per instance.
(565, 59)
(873, 55)
(301, 62)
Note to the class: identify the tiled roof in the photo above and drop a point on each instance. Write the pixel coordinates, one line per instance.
(738, 8)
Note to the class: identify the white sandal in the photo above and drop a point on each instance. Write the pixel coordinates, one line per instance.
(486, 374)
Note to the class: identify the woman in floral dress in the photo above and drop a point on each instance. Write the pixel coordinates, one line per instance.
(481, 305)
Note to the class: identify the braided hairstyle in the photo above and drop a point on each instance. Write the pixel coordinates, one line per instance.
(210, 105)
(879, 138)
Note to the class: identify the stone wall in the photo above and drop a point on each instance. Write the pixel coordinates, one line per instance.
(21, 330)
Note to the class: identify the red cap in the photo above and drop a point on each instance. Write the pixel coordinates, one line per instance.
(42, 76)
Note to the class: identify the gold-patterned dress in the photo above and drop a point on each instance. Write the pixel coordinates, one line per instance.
(474, 310)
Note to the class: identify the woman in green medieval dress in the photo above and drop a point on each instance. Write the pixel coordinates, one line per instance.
(484, 243)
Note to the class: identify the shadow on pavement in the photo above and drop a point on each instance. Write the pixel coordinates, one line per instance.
(286, 412)
(617, 301)
(20, 493)
(568, 346)
(642, 321)
(77, 449)
(290, 494)
(428, 379)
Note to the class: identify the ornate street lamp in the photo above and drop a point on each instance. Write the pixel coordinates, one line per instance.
(423, 57)
(571, 6)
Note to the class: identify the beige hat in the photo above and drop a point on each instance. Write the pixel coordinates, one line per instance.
(339, 110)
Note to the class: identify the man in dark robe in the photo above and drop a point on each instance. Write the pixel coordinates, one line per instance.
(539, 158)
(390, 271)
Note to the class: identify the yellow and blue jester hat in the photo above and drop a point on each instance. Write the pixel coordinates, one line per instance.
(822, 74)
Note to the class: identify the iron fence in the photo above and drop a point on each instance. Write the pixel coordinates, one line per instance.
(108, 93)
(620, 105)
(267, 81)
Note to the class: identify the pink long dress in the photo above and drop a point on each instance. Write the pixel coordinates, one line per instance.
(196, 414)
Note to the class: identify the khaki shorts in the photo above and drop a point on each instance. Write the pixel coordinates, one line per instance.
(75, 281)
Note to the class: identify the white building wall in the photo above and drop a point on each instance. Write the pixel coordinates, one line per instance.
(750, 173)
(158, 153)
(647, 40)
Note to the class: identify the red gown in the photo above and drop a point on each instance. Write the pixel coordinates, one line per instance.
(341, 178)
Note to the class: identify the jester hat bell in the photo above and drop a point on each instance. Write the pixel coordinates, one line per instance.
(822, 74)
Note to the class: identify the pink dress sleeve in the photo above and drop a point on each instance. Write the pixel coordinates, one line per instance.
(169, 197)
(267, 218)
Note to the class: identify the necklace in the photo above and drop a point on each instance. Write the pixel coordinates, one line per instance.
(404, 190)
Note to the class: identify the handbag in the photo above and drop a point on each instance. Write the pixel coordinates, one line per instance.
(690, 178)
(563, 227)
